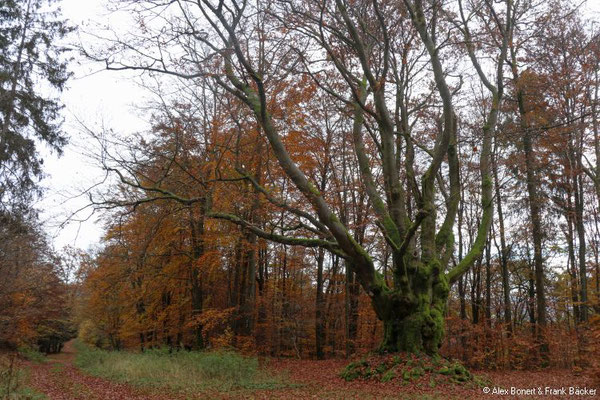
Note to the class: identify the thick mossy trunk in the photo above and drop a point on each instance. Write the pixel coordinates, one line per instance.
(419, 332)
(414, 322)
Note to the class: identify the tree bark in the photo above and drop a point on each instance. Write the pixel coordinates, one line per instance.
(415, 323)
(488, 284)
(319, 307)
(571, 268)
(352, 289)
(504, 252)
(534, 211)
(197, 232)
(581, 248)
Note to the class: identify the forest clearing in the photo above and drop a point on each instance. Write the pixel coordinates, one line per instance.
(299, 199)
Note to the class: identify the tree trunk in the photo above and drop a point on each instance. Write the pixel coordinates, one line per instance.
(581, 239)
(248, 305)
(421, 331)
(414, 322)
(319, 307)
(504, 252)
(534, 208)
(597, 265)
(461, 280)
(571, 269)
(352, 289)
(197, 232)
(536, 228)
(476, 292)
(488, 284)
(463, 300)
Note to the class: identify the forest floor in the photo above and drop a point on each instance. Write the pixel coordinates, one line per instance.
(60, 379)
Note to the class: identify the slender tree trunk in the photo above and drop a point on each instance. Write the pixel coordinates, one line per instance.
(248, 304)
(536, 226)
(531, 291)
(596, 174)
(463, 300)
(461, 282)
(329, 300)
(197, 232)
(536, 222)
(476, 292)
(581, 253)
(352, 289)
(504, 252)
(261, 319)
(249, 287)
(488, 284)
(531, 301)
(597, 265)
(319, 307)
(571, 268)
(534, 206)
(238, 283)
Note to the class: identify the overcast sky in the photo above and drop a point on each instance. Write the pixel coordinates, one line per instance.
(99, 99)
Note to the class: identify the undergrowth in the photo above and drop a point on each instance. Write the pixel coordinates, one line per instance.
(31, 354)
(178, 370)
(410, 368)
(13, 381)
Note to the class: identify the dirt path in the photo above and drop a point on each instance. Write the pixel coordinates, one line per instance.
(59, 379)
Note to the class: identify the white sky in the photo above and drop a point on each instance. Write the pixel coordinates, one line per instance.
(99, 99)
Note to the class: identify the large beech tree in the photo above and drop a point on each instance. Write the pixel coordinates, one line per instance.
(387, 65)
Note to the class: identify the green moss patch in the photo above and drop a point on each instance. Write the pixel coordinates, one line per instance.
(408, 369)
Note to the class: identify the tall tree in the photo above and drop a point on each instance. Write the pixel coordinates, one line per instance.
(362, 42)
(31, 62)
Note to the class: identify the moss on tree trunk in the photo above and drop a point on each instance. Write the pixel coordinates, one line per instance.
(419, 332)
(414, 322)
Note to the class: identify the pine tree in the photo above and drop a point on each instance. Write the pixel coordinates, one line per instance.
(33, 69)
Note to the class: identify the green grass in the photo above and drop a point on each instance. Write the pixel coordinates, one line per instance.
(180, 371)
(32, 354)
(23, 393)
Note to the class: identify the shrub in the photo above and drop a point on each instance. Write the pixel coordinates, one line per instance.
(90, 334)
(31, 354)
(12, 380)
